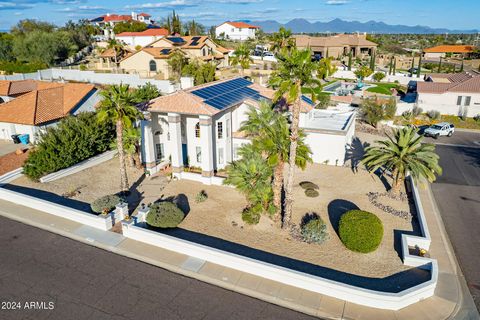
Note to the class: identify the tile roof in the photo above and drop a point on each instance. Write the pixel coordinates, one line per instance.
(47, 102)
(240, 24)
(468, 82)
(143, 14)
(450, 49)
(146, 33)
(160, 53)
(117, 17)
(340, 40)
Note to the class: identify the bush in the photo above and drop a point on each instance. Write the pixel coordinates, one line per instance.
(416, 111)
(201, 196)
(105, 203)
(433, 114)
(407, 115)
(308, 185)
(477, 118)
(74, 139)
(165, 215)
(360, 231)
(311, 193)
(378, 76)
(314, 230)
(250, 215)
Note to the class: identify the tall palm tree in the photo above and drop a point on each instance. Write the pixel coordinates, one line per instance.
(270, 132)
(401, 154)
(118, 106)
(117, 47)
(241, 56)
(326, 68)
(282, 39)
(295, 70)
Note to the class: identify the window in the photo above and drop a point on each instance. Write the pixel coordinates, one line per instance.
(204, 51)
(197, 130)
(220, 155)
(198, 151)
(159, 151)
(220, 130)
(459, 100)
(153, 66)
(467, 101)
(228, 127)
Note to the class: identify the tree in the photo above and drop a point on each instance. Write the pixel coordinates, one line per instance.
(117, 48)
(401, 154)
(193, 28)
(350, 61)
(241, 56)
(461, 67)
(372, 61)
(390, 66)
(177, 61)
(295, 70)
(440, 65)
(413, 64)
(26, 26)
(6, 47)
(129, 26)
(323, 100)
(200, 71)
(326, 68)
(270, 133)
(118, 106)
(173, 23)
(394, 66)
(363, 72)
(378, 76)
(374, 109)
(419, 70)
(146, 93)
(282, 39)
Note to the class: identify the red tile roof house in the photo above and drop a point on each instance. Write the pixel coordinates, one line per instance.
(236, 31)
(450, 93)
(454, 50)
(108, 21)
(28, 106)
(143, 38)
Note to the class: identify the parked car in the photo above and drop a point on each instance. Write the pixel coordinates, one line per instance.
(440, 129)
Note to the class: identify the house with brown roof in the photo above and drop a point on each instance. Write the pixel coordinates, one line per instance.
(338, 45)
(462, 51)
(200, 127)
(28, 106)
(151, 61)
(450, 93)
(236, 30)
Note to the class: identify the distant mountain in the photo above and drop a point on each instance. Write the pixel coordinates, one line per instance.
(339, 25)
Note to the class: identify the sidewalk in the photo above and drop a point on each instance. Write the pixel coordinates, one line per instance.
(449, 301)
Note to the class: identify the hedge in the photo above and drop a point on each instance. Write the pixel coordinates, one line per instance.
(360, 231)
(165, 215)
(105, 203)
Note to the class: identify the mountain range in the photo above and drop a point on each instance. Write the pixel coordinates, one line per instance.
(339, 25)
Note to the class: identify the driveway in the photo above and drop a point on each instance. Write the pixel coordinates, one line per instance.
(8, 147)
(457, 193)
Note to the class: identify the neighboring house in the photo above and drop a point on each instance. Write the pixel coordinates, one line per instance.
(107, 58)
(200, 127)
(34, 105)
(236, 31)
(450, 50)
(450, 93)
(151, 61)
(338, 45)
(143, 38)
(108, 21)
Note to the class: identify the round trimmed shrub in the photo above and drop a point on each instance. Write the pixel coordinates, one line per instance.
(360, 231)
(315, 231)
(308, 185)
(105, 203)
(250, 216)
(311, 193)
(165, 215)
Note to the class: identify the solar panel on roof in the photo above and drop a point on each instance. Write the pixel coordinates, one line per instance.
(176, 39)
(195, 41)
(307, 100)
(165, 51)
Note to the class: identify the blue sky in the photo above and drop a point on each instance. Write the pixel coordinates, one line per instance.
(452, 14)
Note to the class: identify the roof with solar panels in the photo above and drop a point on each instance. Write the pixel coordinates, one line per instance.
(215, 97)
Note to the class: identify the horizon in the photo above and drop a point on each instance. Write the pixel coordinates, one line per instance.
(213, 12)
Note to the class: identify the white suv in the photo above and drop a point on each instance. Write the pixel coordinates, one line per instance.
(440, 129)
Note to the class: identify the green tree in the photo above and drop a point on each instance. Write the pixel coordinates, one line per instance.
(270, 132)
(201, 72)
(118, 107)
(282, 39)
(419, 70)
(6, 47)
(146, 93)
(363, 72)
(440, 65)
(350, 61)
(193, 28)
(378, 76)
(374, 109)
(26, 26)
(326, 68)
(117, 47)
(295, 70)
(390, 66)
(176, 62)
(394, 66)
(401, 154)
(129, 26)
(241, 56)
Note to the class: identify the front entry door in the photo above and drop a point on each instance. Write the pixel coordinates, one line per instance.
(185, 155)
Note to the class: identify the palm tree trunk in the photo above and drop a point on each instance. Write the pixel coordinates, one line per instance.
(277, 191)
(131, 161)
(396, 184)
(287, 217)
(121, 158)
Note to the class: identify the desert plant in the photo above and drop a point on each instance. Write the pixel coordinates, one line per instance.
(241, 57)
(363, 72)
(390, 108)
(105, 204)
(251, 215)
(416, 111)
(311, 193)
(165, 214)
(407, 115)
(308, 185)
(477, 117)
(360, 231)
(323, 100)
(201, 196)
(314, 229)
(433, 114)
(378, 76)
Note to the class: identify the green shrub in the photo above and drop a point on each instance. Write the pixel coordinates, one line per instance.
(360, 231)
(433, 114)
(74, 139)
(311, 193)
(378, 76)
(308, 185)
(165, 215)
(476, 117)
(105, 203)
(251, 216)
(201, 196)
(314, 230)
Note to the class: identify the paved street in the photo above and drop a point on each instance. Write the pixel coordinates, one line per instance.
(457, 193)
(85, 282)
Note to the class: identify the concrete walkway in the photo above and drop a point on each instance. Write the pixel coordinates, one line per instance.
(451, 299)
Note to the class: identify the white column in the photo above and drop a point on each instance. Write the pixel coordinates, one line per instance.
(206, 138)
(175, 129)
(148, 147)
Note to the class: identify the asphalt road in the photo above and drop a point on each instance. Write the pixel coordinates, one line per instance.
(83, 282)
(457, 193)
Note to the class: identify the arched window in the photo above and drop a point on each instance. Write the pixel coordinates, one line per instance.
(197, 130)
(153, 66)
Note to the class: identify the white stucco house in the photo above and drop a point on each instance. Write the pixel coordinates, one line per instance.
(30, 106)
(236, 31)
(199, 128)
(133, 39)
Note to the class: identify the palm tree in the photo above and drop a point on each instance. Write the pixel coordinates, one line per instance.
(401, 154)
(270, 132)
(242, 57)
(282, 39)
(326, 68)
(118, 106)
(295, 70)
(117, 47)
(177, 61)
